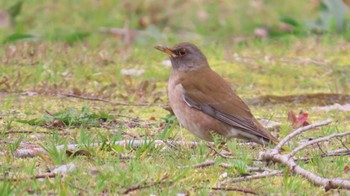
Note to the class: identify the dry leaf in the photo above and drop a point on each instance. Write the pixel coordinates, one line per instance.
(76, 91)
(78, 153)
(300, 121)
(346, 169)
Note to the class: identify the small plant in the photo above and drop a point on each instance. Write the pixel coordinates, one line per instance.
(71, 117)
(54, 156)
(240, 166)
(5, 186)
(13, 146)
(170, 120)
(8, 124)
(146, 148)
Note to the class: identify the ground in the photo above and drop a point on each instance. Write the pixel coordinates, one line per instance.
(39, 77)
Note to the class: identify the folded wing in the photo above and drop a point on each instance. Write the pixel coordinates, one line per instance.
(222, 104)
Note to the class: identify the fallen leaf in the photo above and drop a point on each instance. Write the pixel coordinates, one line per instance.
(77, 91)
(291, 117)
(300, 121)
(78, 153)
(346, 169)
(57, 123)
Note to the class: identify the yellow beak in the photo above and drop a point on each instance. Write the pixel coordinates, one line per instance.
(165, 50)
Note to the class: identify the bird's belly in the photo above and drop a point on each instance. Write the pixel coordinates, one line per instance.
(197, 122)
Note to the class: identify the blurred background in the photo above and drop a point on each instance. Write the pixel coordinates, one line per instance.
(92, 47)
(151, 21)
(86, 71)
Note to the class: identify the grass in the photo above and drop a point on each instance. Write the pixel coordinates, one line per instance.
(35, 73)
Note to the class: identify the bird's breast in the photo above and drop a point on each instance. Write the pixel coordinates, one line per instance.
(197, 122)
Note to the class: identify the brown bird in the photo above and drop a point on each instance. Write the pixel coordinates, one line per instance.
(203, 101)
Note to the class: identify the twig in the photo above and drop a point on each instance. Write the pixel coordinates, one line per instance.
(90, 98)
(319, 147)
(342, 143)
(17, 132)
(288, 161)
(249, 169)
(333, 153)
(45, 175)
(299, 131)
(339, 152)
(78, 188)
(171, 145)
(328, 183)
(252, 177)
(233, 189)
(138, 187)
(110, 102)
(33, 152)
(219, 153)
(303, 61)
(316, 141)
(199, 165)
(231, 157)
(314, 98)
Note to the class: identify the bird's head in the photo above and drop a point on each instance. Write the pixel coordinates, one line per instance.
(185, 57)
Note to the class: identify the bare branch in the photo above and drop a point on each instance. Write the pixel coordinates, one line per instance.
(342, 143)
(331, 153)
(299, 131)
(252, 177)
(320, 148)
(249, 169)
(39, 176)
(26, 132)
(33, 151)
(316, 141)
(148, 185)
(113, 103)
(285, 160)
(199, 165)
(233, 189)
(339, 152)
(288, 161)
(219, 153)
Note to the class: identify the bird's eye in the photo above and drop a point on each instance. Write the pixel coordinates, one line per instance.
(182, 52)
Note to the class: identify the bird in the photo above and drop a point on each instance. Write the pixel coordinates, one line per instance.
(204, 103)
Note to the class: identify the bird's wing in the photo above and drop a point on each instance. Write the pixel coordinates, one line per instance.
(216, 98)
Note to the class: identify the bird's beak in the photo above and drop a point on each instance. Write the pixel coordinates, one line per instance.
(166, 50)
